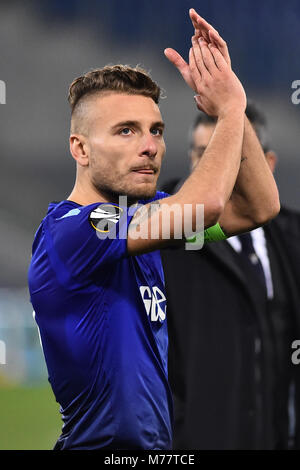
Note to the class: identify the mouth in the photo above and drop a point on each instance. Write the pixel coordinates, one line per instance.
(145, 170)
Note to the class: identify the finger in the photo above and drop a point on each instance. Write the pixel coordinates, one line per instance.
(181, 65)
(196, 74)
(207, 56)
(200, 24)
(213, 35)
(218, 57)
(203, 24)
(199, 30)
(193, 17)
(197, 54)
(220, 44)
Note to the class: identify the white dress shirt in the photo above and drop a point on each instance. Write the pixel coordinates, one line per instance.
(260, 248)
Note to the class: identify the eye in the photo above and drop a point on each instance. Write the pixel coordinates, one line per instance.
(157, 131)
(125, 131)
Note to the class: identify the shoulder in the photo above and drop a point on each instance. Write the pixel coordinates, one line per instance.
(69, 212)
(82, 239)
(71, 225)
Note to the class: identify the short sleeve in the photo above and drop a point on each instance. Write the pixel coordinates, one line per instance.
(79, 240)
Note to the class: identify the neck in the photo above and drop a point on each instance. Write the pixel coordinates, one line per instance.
(86, 194)
(89, 195)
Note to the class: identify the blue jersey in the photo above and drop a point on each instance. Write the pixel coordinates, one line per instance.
(102, 320)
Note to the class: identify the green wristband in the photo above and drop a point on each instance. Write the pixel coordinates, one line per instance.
(214, 234)
(211, 234)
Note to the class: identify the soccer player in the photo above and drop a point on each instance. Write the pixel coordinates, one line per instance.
(97, 289)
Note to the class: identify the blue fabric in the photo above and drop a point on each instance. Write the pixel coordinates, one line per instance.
(102, 320)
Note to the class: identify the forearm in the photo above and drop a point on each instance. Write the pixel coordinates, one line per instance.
(255, 193)
(220, 94)
(213, 179)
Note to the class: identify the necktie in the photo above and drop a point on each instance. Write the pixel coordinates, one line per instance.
(248, 253)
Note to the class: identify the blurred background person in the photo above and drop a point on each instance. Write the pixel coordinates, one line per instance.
(43, 44)
(233, 313)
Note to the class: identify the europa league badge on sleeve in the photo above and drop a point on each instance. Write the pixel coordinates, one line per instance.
(104, 219)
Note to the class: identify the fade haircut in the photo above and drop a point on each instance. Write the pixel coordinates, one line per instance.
(253, 113)
(114, 78)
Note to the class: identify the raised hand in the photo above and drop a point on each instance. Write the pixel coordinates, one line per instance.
(209, 71)
(209, 33)
(219, 89)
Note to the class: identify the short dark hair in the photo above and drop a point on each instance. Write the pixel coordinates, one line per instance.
(116, 78)
(253, 113)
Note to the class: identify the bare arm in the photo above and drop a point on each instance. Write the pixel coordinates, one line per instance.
(213, 180)
(255, 198)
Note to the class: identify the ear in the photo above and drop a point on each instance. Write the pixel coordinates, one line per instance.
(79, 149)
(271, 158)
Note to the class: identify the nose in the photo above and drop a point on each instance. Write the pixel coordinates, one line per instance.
(148, 146)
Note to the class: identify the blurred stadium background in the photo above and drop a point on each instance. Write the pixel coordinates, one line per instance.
(44, 45)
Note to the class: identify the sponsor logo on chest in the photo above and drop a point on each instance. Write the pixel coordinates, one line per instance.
(155, 302)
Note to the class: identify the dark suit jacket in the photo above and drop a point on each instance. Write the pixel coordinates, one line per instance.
(220, 343)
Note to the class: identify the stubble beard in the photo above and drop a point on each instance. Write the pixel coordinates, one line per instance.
(112, 188)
